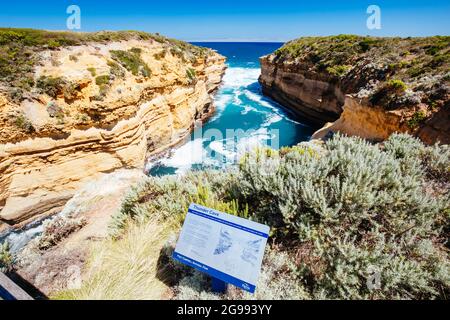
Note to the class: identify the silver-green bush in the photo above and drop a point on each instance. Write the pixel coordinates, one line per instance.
(361, 221)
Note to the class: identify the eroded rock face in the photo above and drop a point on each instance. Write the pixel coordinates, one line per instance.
(363, 86)
(309, 96)
(437, 128)
(360, 119)
(136, 116)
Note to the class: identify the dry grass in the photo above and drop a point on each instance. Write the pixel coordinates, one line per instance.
(126, 268)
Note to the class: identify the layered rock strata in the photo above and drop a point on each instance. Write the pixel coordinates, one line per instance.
(102, 126)
(363, 86)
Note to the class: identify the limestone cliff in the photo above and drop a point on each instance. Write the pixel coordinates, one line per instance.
(94, 107)
(370, 87)
(307, 95)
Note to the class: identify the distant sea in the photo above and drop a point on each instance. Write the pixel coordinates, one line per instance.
(241, 106)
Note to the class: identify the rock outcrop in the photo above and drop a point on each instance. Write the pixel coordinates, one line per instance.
(113, 116)
(307, 95)
(360, 119)
(369, 87)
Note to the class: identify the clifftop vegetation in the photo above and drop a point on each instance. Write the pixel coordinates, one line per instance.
(339, 214)
(54, 82)
(368, 66)
(19, 51)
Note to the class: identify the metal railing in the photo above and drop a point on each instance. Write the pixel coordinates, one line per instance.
(11, 291)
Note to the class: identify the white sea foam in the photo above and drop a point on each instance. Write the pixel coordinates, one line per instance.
(259, 137)
(271, 119)
(220, 146)
(248, 109)
(236, 99)
(221, 101)
(185, 156)
(240, 77)
(221, 152)
(229, 151)
(258, 99)
(272, 108)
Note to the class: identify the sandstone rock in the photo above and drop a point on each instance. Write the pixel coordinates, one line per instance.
(137, 117)
(325, 81)
(3, 227)
(437, 128)
(359, 119)
(311, 99)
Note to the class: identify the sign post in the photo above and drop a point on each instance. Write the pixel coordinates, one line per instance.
(228, 248)
(218, 286)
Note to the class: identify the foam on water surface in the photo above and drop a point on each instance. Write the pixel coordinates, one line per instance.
(240, 105)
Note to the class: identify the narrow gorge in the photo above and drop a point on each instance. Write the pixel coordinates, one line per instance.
(107, 138)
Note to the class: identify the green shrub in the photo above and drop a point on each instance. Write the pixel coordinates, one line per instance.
(58, 229)
(102, 80)
(349, 212)
(437, 162)
(396, 85)
(93, 71)
(51, 86)
(24, 123)
(417, 118)
(131, 61)
(359, 208)
(368, 43)
(6, 258)
(160, 55)
(115, 70)
(338, 71)
(191, 75)
(136, 51)
(54, 110)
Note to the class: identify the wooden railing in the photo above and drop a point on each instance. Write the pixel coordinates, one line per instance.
(11, 291)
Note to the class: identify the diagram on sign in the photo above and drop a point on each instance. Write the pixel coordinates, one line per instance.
(225, 242)
(249, 249)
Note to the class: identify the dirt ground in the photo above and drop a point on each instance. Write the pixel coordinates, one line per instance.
(60, 267)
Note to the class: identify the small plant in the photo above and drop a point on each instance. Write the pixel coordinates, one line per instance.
(51, 86)
(6, 258)
(131, 61)
(102, 80)
(93, 71)
(160, 55)
(54, 110)
(338, 71)
(115, 70)
(136, 51)
(58, 229)
(417, 118)
(24, 123)
(396, 85)
(191, 75)
(367, 44)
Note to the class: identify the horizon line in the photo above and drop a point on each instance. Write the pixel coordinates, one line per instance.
(236, 41)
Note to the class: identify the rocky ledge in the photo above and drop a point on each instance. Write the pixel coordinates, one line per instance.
(364, 86)
(74, 107)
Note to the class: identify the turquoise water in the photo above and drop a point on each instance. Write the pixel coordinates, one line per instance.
(244, 118)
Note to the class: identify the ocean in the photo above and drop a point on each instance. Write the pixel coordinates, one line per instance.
(244, 119)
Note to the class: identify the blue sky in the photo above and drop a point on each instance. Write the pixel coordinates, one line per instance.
(230, 20)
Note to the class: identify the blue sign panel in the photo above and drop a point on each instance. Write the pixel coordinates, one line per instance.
(224, 246)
